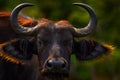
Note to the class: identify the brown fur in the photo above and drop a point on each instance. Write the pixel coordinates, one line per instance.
(110, 49)
(6, 31)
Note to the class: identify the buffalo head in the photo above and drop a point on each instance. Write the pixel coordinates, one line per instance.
(53, 43)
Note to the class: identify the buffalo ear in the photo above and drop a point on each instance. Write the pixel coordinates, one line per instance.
(90, 49)
(16, 51)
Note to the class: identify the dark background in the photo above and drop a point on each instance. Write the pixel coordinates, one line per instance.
(107, 31)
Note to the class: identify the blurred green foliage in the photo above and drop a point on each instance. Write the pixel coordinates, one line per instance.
(107, 31)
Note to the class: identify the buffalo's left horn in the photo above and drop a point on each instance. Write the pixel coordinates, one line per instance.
(16, 26)
(92, 23)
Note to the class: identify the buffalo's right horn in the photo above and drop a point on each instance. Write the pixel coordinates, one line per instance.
(16, 26)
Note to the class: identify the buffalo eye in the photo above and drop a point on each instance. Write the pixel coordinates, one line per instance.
(40, 42)
(43, 42)
(67, 42)
(68, 45)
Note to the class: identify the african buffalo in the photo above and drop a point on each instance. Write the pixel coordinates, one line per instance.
(41, 49)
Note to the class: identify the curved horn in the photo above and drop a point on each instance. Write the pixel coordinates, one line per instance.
(16, 26)
(92, 23)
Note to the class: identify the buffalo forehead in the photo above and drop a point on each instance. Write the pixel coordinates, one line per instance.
(50, 33)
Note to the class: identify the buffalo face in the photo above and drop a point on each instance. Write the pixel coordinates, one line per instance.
(54, 47)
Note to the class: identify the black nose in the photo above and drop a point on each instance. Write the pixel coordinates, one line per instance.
(56, 64)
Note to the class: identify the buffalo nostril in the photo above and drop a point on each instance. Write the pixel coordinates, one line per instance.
(56, 64)
(63, 64)
(49, 64)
